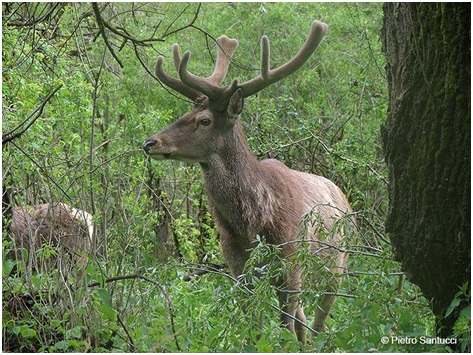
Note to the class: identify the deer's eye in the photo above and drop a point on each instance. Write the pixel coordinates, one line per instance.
(205, 121)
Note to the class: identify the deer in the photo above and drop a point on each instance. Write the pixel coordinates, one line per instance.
(64, 228)
(250, 197)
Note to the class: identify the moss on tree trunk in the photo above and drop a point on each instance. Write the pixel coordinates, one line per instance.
(427, 145)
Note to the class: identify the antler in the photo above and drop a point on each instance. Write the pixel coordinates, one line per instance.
(268, 76)
(174, 83)
(192, 86)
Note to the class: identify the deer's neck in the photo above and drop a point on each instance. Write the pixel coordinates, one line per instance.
(232, 167)
(239, 187)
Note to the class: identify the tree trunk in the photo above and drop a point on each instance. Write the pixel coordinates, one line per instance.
(427, 145)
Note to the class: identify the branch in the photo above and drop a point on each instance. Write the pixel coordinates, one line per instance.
(203, 269)
(115, 278)
(38, 111)
(100, 23)
(190, 24)
(43, 171)
(122, 32)
(130, 339)
(31, 22)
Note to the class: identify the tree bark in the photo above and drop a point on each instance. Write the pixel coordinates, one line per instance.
(427, 147)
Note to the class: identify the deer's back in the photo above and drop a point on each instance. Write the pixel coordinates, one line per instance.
(56, 224)
(312, 195)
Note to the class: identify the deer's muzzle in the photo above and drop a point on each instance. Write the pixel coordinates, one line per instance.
(148, 145)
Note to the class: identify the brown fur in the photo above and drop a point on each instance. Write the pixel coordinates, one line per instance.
(56, 224)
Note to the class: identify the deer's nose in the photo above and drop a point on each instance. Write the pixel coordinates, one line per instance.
(148, 144)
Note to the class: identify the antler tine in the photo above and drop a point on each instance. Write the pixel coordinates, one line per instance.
(192, 86)
(176, 57)
(225, 49)
(265, 55)
(210, 86)
(268, 76)
(174, 83)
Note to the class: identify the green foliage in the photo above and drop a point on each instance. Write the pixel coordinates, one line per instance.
(85, 150)
(462, 327)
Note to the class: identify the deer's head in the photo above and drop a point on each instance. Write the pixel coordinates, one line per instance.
(204, 130)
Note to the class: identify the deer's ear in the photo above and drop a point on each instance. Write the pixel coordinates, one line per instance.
(235, 106)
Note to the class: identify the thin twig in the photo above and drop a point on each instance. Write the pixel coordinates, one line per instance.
(122, 32)
(130, 339)
(33, 22)
(190, 24)
(43, 171)
(202, 269)
(113, 279)
(37, 112)
(354, 162)
(169, 305)
(377, 232)
(154, 76)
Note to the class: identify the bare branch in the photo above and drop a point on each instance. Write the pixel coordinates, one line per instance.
(31, 22)
(122, 32)
(190, 24)
(100, 23)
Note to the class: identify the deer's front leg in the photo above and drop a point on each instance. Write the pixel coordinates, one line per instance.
(288, 296)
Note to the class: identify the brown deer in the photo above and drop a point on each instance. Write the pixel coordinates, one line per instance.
(58, 225)
(249, 197)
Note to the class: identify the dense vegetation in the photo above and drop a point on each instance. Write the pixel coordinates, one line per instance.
(152, 225)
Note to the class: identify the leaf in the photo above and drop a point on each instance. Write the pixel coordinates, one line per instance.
(27, 332)
(263, 346)
(106, 304)
(60, 345)
(466, 312)
(7, 267)
(75, 332)
(452, 306)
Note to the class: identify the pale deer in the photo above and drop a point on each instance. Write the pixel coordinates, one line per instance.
(65, 229)
(249, 197)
